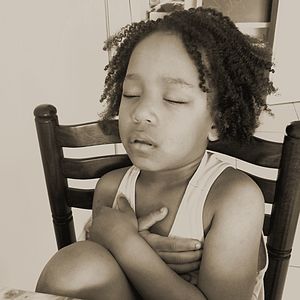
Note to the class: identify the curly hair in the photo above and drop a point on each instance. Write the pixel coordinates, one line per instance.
(232, 65)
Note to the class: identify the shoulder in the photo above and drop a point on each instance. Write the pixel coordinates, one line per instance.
(106, 188)
(236, 205)
(235, 192)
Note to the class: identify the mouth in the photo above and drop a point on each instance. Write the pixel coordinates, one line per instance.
(142, 142)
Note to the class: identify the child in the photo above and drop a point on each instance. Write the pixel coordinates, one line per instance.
(175, 83)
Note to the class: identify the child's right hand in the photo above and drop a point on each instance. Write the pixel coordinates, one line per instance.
(182, 255)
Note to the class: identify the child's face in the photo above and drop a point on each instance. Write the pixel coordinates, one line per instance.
(164, 119)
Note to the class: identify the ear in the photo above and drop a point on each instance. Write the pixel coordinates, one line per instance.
(213, 133)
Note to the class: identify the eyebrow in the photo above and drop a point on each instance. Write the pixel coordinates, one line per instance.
(177, 81)
(167, 79)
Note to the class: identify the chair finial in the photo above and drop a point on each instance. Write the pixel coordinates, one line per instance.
(45, 111)
(293, 130)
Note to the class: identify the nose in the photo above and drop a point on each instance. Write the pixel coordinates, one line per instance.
(145, 112)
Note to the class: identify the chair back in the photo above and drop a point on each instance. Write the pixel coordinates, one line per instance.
(283, 194)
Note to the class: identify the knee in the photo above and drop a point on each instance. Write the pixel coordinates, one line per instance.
(78, 270)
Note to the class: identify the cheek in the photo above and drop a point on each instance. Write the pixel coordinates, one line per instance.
(123, 131)
(124, 115)
(196, 131)
(123, 124)
(121, 109)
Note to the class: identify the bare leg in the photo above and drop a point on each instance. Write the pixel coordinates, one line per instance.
(85, 270)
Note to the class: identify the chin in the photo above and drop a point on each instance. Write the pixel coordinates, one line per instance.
(146, 164)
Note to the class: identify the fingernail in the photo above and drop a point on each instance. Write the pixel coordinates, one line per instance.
(197, 245)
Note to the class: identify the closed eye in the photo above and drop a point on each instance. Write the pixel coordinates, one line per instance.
(130, 96)
(175, 101)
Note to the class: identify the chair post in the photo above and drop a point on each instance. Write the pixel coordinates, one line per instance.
(285, 213)
(46, 122)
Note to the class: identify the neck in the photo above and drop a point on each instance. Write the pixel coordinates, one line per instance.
(171, 177)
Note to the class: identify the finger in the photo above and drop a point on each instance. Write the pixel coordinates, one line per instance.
(173, 244)
(185, 268)
(181, 257)
(123, 204)
(149, 220)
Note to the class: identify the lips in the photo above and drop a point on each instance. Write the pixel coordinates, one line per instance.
(142, 140)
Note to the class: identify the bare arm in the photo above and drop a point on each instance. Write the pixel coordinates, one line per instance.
(152, 278)
(230, 255)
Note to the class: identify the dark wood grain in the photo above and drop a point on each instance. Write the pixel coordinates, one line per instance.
(93, 167)
(267, 224)
(285, 213)
(267, 187)
(80, 198)
(52, 154)
(257, 151)
(88, 134)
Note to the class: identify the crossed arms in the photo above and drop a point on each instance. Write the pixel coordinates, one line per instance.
(229, 260)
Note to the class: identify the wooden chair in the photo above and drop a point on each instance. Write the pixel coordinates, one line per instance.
(283, 194)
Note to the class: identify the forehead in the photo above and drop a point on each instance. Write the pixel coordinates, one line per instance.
(162, 53)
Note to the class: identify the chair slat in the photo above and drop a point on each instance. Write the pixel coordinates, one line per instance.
(265, 153)
(80, 198)
(267, 187)
(266, 226)
(88, 134)
(95, 167)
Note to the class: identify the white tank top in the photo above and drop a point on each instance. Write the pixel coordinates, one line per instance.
(188, 221)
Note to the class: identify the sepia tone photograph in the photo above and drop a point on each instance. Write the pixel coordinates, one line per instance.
(150, 149)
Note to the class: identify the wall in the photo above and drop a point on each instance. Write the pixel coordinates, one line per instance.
(286, 52)
(51, 52)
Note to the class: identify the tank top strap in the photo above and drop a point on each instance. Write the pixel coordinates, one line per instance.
(127, 186)
(189, 218)
(213, 168)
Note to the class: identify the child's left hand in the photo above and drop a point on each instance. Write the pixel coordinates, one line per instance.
(111, 226)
